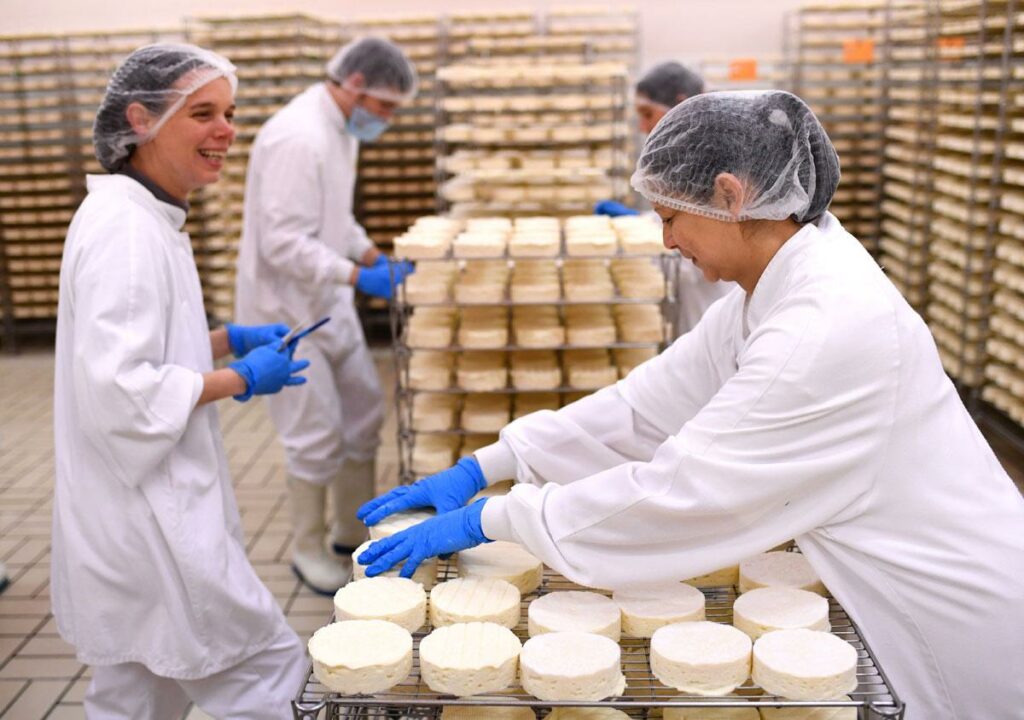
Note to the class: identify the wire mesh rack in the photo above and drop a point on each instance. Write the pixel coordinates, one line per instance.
(644, 697)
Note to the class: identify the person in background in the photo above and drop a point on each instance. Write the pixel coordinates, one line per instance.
(809, 403)
(661, 89)
(302, 256)
(149, 577)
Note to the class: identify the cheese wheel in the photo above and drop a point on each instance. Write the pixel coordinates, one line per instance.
(572, 666)
(771, 569)
(475, 600)
(361, 656)
(763, 610)
(586, 713)
(395, 599)
(491, 712)
(645, 612)
(727, 576)
(503, 560)
(712, 713)
(574, 610)
(704, 658)
(469, 658)
(397, 522)
(810, 713)
(425, 575)
(805, 665)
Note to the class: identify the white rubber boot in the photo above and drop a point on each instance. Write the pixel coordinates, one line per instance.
(3, 577)
(321, 571)
(352, 487)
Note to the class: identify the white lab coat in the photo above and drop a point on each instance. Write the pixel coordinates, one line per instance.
(817, 408)
(148, 560)
(299, 244)
(694, 295)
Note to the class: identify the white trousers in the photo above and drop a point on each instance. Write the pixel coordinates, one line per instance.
(259, 688)
(336, 415)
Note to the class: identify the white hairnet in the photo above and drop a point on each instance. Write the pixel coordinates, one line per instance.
(387, 72)
(770, 140)
(160, 78)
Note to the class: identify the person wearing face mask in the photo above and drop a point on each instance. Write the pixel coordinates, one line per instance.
(809, 403)
(149, 577)
(661, 89)
(302, 256)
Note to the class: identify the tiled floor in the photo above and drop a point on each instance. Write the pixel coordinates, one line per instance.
(39, 675)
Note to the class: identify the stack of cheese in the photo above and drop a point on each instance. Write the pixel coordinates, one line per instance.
(429, 237)
(425, 575)
(628, 358)
(526, 403)
(504, 561)
(536, 370)
(433, 413)
(535, 237)
(472, 443)
(590, 235)
(483, 327)
(639, 323)
(486, 413)
(638, 278)
(537, 326)
(483, 237)
(481, 371)
(535, 281)
(779, 569)
(482, 281)
(638, 234)
(588, 369)
(589, 325)
(587, 280)
(430, 370)
(433, 453)
(431, 327)
(432, 283)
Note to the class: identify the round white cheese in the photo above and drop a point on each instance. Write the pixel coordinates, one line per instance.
(503, 560)
(425, 575)
(574, 610)
(395, 599)
(712, 713)
(397, 522)
(809, 713)
(469, 658)
(644, 612)
(772, 569)
(572, 666)
(361, 656)
(763, 610)
(586, 713)
(491, 712)
(805, 665)
(705, 658)
(475, 600)
(727, 576)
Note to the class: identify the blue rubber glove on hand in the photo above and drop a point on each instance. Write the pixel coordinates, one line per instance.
(444, 491)
(267, 369)
(440, 535)
(382, 259)
(376, 280)
(245, 338)
(613, 208)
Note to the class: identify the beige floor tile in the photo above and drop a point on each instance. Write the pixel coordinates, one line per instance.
(36, 700)
(67, 711)
(9, 690)
(20, 626)
(25, 607)
(76, 693)
(308, 624)
(50, 645)
(39, 668)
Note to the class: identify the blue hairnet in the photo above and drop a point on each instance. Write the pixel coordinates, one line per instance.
(769, 139)
(388, 73)
(670, 83)
(160, 78)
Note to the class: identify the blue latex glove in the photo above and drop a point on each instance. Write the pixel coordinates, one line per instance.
(245, 338)
(376, 280)
(382, 259)
(613, 208)
(444, 491)
(267, 369)
(440, 535)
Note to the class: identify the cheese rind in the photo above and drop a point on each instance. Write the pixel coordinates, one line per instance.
(805, 665)
(395, 599)
(503, 560)
(574, 610)
(763, 610)
(475, 600)
(361, 656)
(772, 569)
(469, 658)
(644, 612)
(425, 575)
(705, 658)
(572, 666)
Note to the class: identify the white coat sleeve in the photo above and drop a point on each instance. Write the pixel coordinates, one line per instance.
(789, 443)
(138, 405)
(621, 423)
(290, 203)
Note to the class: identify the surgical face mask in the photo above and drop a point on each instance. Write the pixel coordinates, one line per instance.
(364, 125)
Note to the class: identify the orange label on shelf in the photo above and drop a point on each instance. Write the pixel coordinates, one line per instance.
(859, 50)
(956, 41)
(743, 69)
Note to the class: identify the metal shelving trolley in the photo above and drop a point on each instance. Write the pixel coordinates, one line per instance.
(645, 697)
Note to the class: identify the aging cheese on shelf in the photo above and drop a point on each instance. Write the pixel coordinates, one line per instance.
(572, 666)
(475, 600)
(361, 656)
(425, 575)
(787, 569)
(574, 610)
(644, 612)
(503, 560)
(704, 658)
(469, 658)
(395, 599)
(763, 610)
(805, 664)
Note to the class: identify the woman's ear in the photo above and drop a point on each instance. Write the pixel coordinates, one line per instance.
(729, 193)
(139, 118)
